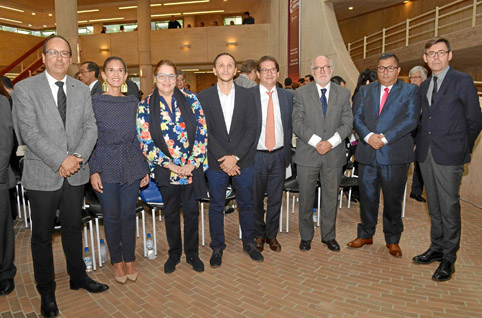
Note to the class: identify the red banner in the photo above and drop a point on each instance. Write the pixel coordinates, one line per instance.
(294, 39)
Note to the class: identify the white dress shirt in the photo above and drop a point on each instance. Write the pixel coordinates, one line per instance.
(382, 91)
(54, 88)
(335, 140)
(227, 105)
(278, 124)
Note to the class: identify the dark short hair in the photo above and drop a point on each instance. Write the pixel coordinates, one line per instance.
(53, 36)
(224, 53)
(114, 58)
(338, 80)
(92, 67)
(288, 81)
(247, 12)
(310, 77)
(388, 55)
(301, 80)
(179, 72)
(434, 41)
(165, 62)
(7, 83)
(267, 58)
(248, 66)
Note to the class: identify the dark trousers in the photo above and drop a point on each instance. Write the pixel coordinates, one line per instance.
(68, 200)
(442, 185)
(391, 179)
(173, 197)
(118, 204)
(242, 184)
(269, 176)
(417, 180)
(7, 239)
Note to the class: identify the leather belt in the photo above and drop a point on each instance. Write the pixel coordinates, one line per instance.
(272, 151)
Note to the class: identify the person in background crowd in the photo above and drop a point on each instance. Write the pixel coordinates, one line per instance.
(301, 81)
(309, 78)
(181, 82)
(104, 30)
(173, 23)
(247, 76)
(288, 83)
(247, 19)
(89, 74)
(338, 80)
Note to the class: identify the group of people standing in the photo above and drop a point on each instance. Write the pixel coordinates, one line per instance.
(230, 134)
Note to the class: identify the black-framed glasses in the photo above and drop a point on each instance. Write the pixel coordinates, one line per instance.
(318, 69)
(440, 53)
(390, 68)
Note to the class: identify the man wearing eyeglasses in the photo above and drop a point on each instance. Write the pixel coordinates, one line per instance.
(88, 74)
(58, 127)
(451, 121)
(385, 114)
(322, 118)
(273, 151)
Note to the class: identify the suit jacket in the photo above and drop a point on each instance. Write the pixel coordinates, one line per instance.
(244, 81)
(308, 120)
(97, 89)
(399, 117)
(239, 141)
(451, 126)
(48, 141)
(7, 178)
(286, 109)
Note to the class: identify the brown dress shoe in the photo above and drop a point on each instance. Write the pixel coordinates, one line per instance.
(259, 243)
(274, 245)
(359, 242)
(395, 250)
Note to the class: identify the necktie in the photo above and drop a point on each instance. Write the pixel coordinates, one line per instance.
(384, 99)
(324, 102)
(61, 100)
(435, 90)
(270, 140)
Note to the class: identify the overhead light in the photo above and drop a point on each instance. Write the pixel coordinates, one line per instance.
(45, 25)
(156, 4)
(126, 8)
(33, 13)
(83, 21)
(50, 14)
(13, 9)
(231, 43)
(203, 12)
(107, 19)
(164, 15)
(86, 11)
(184, 2)
(350, 8)
(9, 20)
(406, 1)
(185, 46)
(30, 25)
(190, 70)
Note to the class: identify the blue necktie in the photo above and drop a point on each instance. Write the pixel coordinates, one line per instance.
(324, 102)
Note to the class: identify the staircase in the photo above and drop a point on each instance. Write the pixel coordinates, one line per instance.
(34, 53)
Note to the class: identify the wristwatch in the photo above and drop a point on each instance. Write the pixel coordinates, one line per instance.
(78, 156)
(236, 157)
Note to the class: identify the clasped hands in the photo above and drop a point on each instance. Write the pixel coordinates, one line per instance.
(184, 171)
(70, 166)
(229, 165)
(323, 146)
(375, 141)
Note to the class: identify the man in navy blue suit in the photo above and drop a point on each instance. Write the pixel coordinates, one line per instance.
(451, 121)
(385, 114)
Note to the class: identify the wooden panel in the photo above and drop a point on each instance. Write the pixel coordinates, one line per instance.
(14, 45)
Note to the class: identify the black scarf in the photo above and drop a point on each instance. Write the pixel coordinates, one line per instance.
(162, 175)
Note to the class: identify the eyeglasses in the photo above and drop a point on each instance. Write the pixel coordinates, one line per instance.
(440, 53)
(268, 70)
(55, 53)
(163, 77)
(382, 69)
(318, 69)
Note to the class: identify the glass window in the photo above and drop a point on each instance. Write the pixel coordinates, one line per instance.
(236, 19)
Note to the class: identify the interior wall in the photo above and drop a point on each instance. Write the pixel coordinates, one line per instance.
(14, 45)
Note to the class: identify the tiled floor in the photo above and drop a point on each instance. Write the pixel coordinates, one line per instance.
(365, 282)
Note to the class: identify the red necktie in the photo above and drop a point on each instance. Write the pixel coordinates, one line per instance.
(270, 140)
(384, 99)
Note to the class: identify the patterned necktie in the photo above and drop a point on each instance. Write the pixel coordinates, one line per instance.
(435, 90)
(324, 102)
(270, 140)
(384, 99)
(61, 100)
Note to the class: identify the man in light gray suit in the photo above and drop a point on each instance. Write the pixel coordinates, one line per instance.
(247, 76)
(322, 119)
(58, 127)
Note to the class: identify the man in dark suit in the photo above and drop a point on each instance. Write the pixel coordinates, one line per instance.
(273, 151)
(385, 114)
(58, 127)
(322, 118)
(231, 119)
(451, 121)
(7, 181)
(88, 74)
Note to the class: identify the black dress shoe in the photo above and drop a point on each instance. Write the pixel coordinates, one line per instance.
(444, 271)
(417, 197)
(216, 258)
(305, 245)
(196, 263)
(332, 245)
(253, 252)
(170, 265)
(428, 257)
(6, 287)
(90, 285)
(48, 307)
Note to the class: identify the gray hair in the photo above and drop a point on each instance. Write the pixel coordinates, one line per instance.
(423, 71)
(322, 55)
(179, 72)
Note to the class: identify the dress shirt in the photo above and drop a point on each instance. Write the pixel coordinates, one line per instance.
(440, 79)
(335, 140)
(227, 105)
(54, 88)
(382, 91)
(91, 86)
(278, 124)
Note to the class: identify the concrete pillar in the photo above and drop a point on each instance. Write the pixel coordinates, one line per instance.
(97, 27)
(144, 44)
(66, 19)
